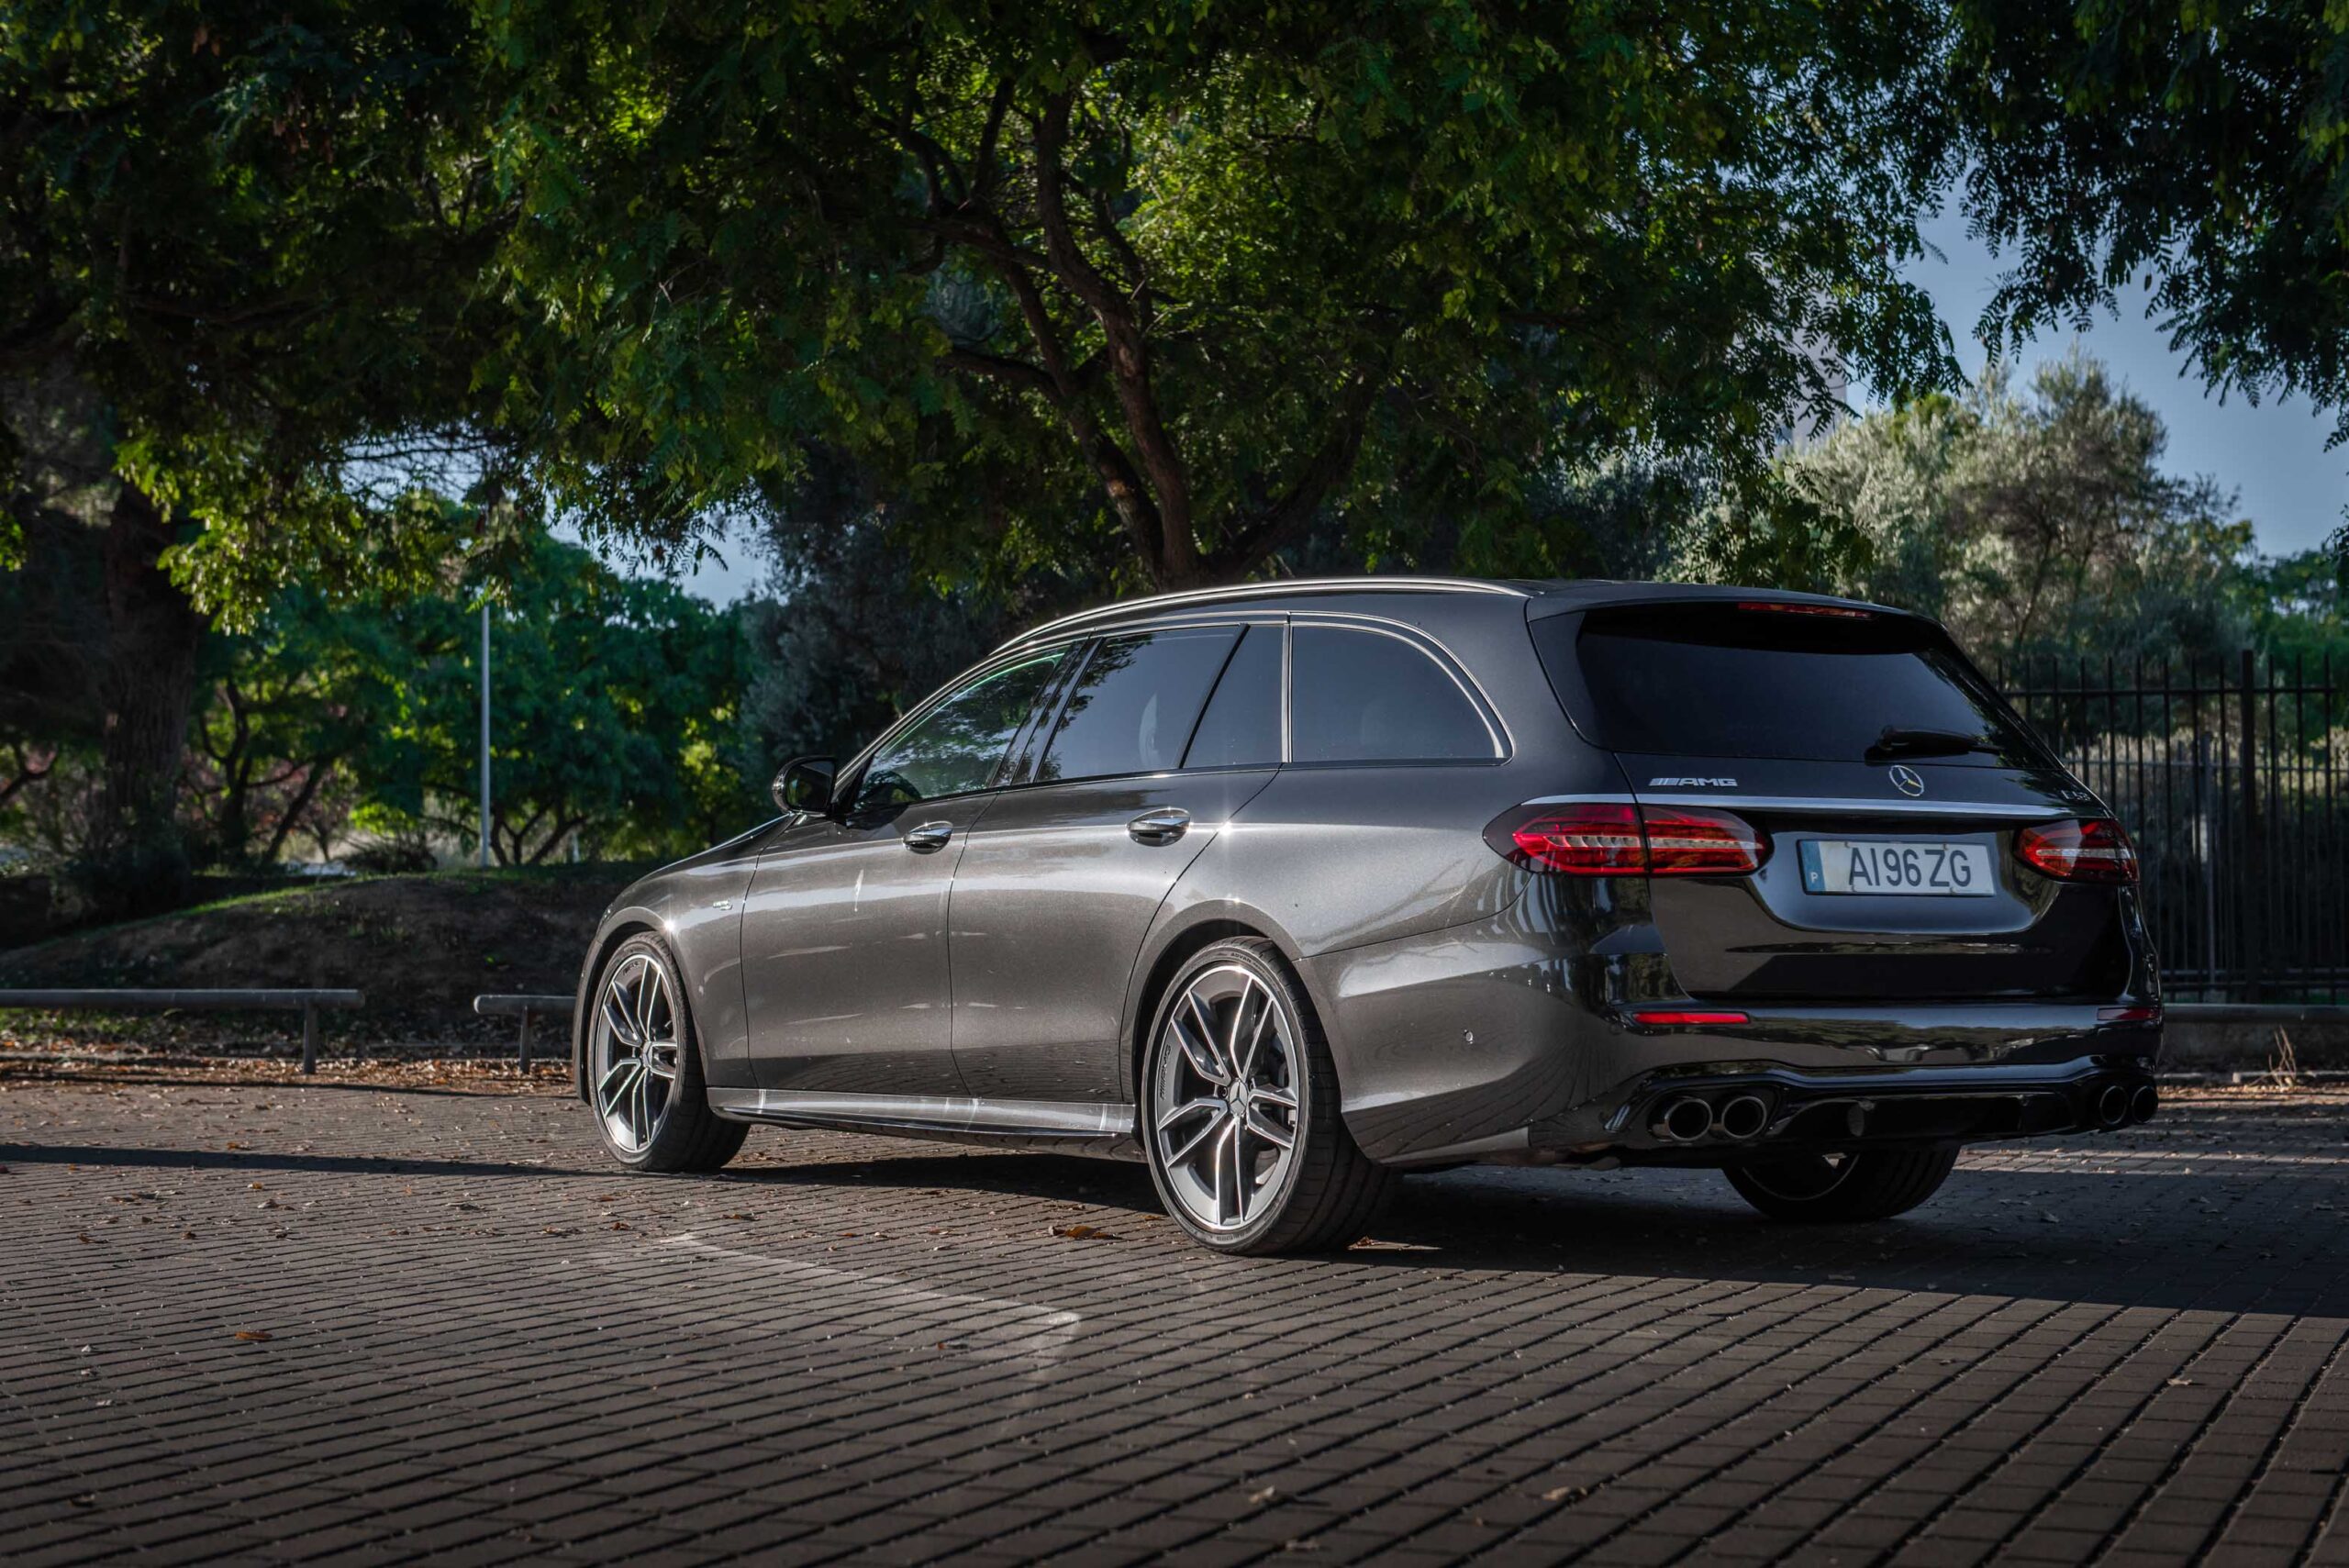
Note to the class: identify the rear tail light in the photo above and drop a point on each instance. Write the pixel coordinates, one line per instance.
(2091, 850)
(1658, 1019)
(2141, 1014)
(1606, 839)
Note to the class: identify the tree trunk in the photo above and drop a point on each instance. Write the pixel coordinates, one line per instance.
(136, 862)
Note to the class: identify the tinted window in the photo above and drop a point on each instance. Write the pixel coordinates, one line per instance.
(955, 747)
(1132, 707)
(1241, 726)
(1716, 681)
(1363, 696)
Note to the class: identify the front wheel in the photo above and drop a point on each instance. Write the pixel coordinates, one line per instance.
(1874, 1184)
(644, 1068)
(1240, 1111)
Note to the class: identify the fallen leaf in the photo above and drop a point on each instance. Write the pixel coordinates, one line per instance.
(1083, 1233)
(1265, 1495)
(253, 1335)
(619, 1224)
(733, 1217)
(1560, 1494)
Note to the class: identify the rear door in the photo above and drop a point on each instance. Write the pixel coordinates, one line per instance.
(1888, 780)
(1125, 783)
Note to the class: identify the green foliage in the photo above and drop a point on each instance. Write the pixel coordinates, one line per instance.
(2040, 523)
(614, 717)
(256, 233)
(2202, 145)
(1202, 280)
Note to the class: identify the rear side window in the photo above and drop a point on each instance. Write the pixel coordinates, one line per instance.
(1131, 707)
(1241, 726)
(1712, 680)
(1364, 696)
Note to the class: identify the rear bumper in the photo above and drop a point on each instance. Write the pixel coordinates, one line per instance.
(1717, 1112)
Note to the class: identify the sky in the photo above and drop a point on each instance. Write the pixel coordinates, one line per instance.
(2272, 456)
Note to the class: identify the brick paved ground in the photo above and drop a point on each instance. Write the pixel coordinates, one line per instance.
(250, 1320)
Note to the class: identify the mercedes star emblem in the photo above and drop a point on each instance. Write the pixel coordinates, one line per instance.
(1906, 780)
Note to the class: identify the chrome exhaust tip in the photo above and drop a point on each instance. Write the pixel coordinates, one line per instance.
(1744, 1116)
(1682, 1121)
(2112, 1105)
(2144, 1103)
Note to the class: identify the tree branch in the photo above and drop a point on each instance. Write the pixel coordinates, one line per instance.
(1286, 521)
(1175, 562)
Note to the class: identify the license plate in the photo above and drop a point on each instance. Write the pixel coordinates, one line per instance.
(1883, 865)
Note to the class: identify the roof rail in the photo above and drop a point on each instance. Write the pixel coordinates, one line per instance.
(1278, 589)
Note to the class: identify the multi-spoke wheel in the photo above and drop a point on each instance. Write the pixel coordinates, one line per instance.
(1240, 1110)
(644, 1070)
(1874, 1184)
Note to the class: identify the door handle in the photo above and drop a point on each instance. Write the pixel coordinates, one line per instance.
(1163, 826)
(930, 836)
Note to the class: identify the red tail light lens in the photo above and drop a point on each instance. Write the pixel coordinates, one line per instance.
(1585, 840)
(1656, 1020)
(1605, 840)
(1710, 843)
(2093, 850)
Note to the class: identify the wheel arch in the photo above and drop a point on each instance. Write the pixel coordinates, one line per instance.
(1176, 947)
(617, 929)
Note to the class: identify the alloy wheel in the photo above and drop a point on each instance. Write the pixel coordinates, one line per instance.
(1225, 1117)
(635, 1048)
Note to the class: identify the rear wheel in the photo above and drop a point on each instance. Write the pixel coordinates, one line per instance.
(1240, 1111)
(1874, 1184)
(644, 1068)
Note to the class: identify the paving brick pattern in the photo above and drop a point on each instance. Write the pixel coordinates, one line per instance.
(257, 1322)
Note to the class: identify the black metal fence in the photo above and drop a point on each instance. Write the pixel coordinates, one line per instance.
(2230, 778)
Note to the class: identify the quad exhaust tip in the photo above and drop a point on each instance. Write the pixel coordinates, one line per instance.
(1744, 1116)
(1683, 1121)
(2144, 1103)
(2112, 1105)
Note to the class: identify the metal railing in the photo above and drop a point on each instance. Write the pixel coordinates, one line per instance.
(530, 1008)
(2234, 779)
(309, 1003)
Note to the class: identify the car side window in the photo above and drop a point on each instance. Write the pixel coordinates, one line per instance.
(1241, 726)
(957, 745)
(1131, 707)
(1363, 696)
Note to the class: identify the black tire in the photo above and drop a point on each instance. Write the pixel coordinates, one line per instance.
(1329, 1191)
(1874, 1184)
(690, 1136)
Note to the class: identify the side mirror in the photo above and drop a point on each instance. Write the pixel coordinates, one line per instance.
(804, 785)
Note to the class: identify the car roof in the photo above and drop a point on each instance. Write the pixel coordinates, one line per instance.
(1528, 598)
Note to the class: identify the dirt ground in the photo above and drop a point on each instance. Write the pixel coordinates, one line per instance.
(421, 946)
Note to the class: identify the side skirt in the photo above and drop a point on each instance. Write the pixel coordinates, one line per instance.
(1104, 1130)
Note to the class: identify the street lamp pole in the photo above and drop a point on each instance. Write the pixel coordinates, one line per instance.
(484, 734)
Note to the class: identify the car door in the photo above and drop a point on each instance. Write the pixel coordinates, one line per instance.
(1121, 788)
(844, 949)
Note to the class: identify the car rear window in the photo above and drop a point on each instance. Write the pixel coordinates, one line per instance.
(1714, 680)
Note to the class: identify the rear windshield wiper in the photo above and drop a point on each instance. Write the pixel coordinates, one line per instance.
(1895, 742)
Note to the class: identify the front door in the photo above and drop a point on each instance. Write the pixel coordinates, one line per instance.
(844, 949)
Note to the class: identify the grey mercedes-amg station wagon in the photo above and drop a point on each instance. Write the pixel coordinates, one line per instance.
(1290, 887)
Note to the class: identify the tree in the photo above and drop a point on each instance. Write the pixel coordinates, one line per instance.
(2202, 147)
(616, 708)
(2035, 522)
(1204, 279)
(238, 249)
